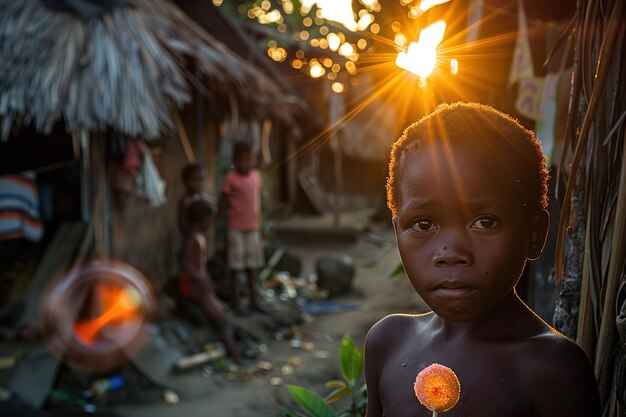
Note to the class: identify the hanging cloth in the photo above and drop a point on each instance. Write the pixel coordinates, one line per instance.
(19, 208)
(149, 183)
(522, 64)
(126, 171)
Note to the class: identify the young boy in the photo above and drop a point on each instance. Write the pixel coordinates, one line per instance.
(193, 176)
(467, 191)
(194, 281)
(241, 193)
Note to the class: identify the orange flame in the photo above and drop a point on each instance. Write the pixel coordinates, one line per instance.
(117, 305)
(437, 388)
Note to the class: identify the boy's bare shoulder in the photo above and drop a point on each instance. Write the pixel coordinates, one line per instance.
(394, 328)
(559, 374)
(550, 345)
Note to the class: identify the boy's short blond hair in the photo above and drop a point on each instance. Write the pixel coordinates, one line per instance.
(484, 125)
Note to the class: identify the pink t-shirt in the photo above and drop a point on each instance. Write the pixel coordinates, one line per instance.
(244, 200)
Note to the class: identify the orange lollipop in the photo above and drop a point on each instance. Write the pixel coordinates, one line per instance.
(437, 388)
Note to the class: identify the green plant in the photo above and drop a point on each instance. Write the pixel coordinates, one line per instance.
(398, 271)
(312, 405)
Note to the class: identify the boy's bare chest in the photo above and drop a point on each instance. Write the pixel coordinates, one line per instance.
(490, 385)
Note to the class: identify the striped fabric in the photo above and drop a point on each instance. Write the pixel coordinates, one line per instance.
(19, 208)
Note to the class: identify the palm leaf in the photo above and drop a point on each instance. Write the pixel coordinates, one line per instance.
(310, 402)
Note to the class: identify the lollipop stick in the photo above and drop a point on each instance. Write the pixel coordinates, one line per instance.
(435, 414)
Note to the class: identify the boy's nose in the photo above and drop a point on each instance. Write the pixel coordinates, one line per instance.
(452, 255)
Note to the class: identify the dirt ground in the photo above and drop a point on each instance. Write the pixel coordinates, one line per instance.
(305, 353)
(313, 359)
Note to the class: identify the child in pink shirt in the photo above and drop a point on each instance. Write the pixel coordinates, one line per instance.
(241, 195)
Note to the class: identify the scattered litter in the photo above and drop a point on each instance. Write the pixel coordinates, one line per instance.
(308, 346)
(282, 333)
(321, 354)
(223, 364)
(295, 343)
(261, 366)
(68, 399)
(207, 371)
(294, 361)
(297, 333)
(319, 307)
(276, 381)
(286, 282)
(189, 362)
(100, 387)
(170, 397)
(271, 263)
(287, 370)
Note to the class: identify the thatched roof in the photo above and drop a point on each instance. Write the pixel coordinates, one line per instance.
(121, 70)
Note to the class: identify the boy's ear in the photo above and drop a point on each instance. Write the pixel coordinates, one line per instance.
(539, 225)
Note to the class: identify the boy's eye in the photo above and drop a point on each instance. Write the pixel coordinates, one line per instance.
(424, 225)
(486, 222)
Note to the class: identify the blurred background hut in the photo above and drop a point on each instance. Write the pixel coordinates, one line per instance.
(106, 101)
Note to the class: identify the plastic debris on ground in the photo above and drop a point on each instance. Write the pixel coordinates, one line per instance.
(319, 307)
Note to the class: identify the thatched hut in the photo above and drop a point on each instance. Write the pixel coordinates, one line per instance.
(119, 68)
(109, 72)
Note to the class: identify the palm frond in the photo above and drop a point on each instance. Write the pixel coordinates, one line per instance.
(591, 256)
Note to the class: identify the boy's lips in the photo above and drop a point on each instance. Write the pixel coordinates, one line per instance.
(453, 289)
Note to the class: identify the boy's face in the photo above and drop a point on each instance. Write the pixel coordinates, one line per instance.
(244, 162)
(204, 224)
(195, 181)
(463, 230)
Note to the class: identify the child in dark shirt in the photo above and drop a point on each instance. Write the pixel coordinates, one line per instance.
(467, 191)
(195, 282)
(194, 177)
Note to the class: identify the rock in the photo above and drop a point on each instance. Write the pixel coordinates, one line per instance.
(335, 273)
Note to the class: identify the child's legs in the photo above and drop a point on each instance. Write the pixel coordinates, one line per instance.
(251, 275)
(236, 263)
(254, 259)
(216, 313)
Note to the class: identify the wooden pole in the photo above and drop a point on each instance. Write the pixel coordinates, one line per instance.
(182, 135)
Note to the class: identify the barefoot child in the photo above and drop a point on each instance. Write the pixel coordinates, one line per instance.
(467, 191)
(195, 282)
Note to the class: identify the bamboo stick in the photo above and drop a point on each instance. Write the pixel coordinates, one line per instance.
(188, 362)
(606, 335)
(182, 135)
(604, 62)
(585, 331)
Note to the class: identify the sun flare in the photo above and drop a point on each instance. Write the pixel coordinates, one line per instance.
(421, 57)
